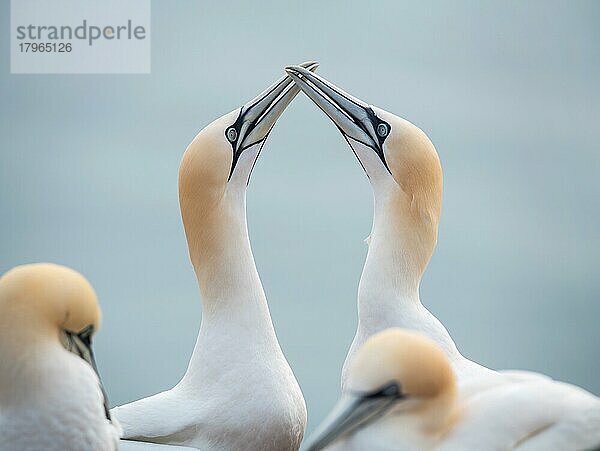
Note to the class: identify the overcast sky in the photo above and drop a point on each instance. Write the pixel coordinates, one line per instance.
(507, 91)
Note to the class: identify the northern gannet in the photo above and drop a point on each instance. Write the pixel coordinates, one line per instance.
(402, 394)
(238, 392)
(51, 397)
(406, 176)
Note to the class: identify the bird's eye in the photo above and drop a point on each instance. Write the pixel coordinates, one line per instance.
(382, 130)
(231, 134)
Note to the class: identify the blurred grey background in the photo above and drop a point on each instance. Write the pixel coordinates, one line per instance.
(507, 91)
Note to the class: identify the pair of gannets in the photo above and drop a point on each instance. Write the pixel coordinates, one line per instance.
(400, 388)
(413, 390)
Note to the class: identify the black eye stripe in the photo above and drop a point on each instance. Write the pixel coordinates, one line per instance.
(235, 127)
(390, 390)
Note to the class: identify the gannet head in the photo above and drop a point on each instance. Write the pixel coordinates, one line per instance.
(224, 152)
(216, 166)
(398, 373)
(398, 158)
(50, 294)
(48, 302)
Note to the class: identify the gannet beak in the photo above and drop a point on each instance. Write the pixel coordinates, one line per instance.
(352, 412)
(80, 343)
(257, 117)
(355, 119)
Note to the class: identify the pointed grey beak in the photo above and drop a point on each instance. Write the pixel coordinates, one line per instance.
(80, 343)
(355, 119)
(257, 117)
(351, 413)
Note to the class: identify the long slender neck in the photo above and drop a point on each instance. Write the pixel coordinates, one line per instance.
(388, 294)
(222, 258)
(391, 275)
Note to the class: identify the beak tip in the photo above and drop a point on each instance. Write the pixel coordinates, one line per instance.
(310, 65)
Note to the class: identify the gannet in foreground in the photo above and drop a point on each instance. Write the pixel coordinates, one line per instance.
(50, 398)
(401, 394)
(238, 392)
(405, 173)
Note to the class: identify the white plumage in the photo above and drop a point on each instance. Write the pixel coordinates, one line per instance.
(498, 410)
(427, 409)
(238, 392)
(50, 398)
(406, 176)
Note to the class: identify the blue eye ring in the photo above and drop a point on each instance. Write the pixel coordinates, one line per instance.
(231, 134)
(382, 130)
